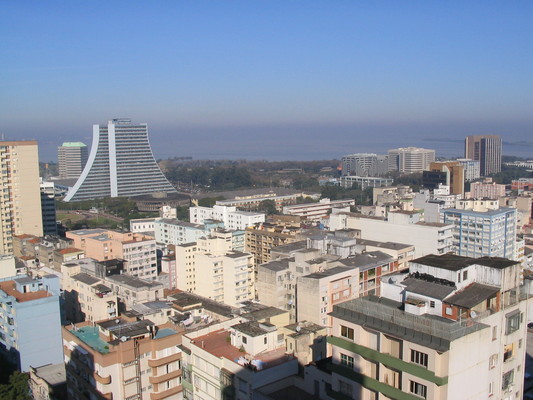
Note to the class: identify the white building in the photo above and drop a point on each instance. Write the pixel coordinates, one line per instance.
(458, 333)
(229, 215)
(316, 211)
(400, 227)
(410, 159)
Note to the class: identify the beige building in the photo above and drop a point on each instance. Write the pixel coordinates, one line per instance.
(408, 160)
(260, 240)
(210, 268)
(486, 190)
(138, 251)
(20, 203)
(458, 332)
(123, 359)
(48, 382)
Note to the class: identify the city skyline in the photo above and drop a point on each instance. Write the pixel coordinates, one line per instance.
(208, 76)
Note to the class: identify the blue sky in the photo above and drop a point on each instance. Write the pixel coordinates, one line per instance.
(229, 72)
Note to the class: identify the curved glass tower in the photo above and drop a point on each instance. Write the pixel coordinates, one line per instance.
(121, 164)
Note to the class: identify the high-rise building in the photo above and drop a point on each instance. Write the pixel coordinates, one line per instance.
(121, 164)
(364, 164)
(487, 149)
(30, 322)
(20, 202)
(48, 208)
(471, 169)
(409, 160)
(71, 157)
(449, 173)
(482, 228)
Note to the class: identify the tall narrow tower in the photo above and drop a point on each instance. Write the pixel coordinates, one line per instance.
(487, 149)
(71, 157)
(20, 201)
(121, 164)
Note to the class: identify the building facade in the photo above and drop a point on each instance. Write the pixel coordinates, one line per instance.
(121, 164)
(409, 160)
(364, 164)
(487, 149)
(48, 208)
(471, 167)
(482, 228)
(20, 203)
(230, 216)
(72, 157)
(458, 332)
(30, 322)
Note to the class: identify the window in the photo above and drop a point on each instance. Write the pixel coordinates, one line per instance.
(465, 275)
(418, 389)
(507, 379)
(419, 358)
(346, 332)
(512, 322)
(494, 332)
(346, 360)
(244, 340)
(449, 311)
(345, 388)
(508, 352)
(493, 360)
(432, 304)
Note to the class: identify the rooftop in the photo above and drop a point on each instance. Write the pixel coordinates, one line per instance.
(424, 287)
(384, 245)
(250, 328)
(53, 374)
(90, 336)
(278, 265)
(256, 311)
(86, 278)
(133, 282)
(453, 262)
(387, 316)
(327, 272)
(217, 344)
(9, 288)
(472, 295)
(367, 260)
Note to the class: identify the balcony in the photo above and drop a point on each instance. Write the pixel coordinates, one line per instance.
(165, 360)
(103, 380)
(166, 393)
(165, 377)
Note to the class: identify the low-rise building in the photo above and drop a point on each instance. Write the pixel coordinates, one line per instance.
(229, 215)
(48, 382)
(317, 211)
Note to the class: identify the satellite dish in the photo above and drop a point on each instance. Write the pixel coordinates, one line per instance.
(298, 328)
(473, 314)
(117, 321)
(123, 339)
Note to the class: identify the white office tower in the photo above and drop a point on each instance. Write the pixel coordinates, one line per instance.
(408, 160)
(71, 157)
(121, 164)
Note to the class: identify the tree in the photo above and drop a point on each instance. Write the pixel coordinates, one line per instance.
(17, 388)
(268, 207)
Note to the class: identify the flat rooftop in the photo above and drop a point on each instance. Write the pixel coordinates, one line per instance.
(453, 262)
(132, 281)
(217, 344)
(9, 288)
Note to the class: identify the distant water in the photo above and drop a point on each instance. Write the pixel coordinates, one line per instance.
(306, 142)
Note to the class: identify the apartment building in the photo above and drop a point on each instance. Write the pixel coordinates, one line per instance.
(211, 268)
(30, 322)
(451, 329)
(252, 201)
(486, 190)
(482, 228)
(87, 298)
(48, 382)
(94, 294)
(229, 215)
(138, 251)
(261, 239)
(348, 181)
(20, 202)
(123, 359)
(317, 211)
(234, 361)
(400, 226)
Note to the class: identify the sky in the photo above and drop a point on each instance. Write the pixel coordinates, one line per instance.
(269, 79)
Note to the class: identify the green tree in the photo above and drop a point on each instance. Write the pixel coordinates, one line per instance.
(268, 207)
(17, 388)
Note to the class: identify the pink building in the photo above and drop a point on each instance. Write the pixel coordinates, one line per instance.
(486, 189)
